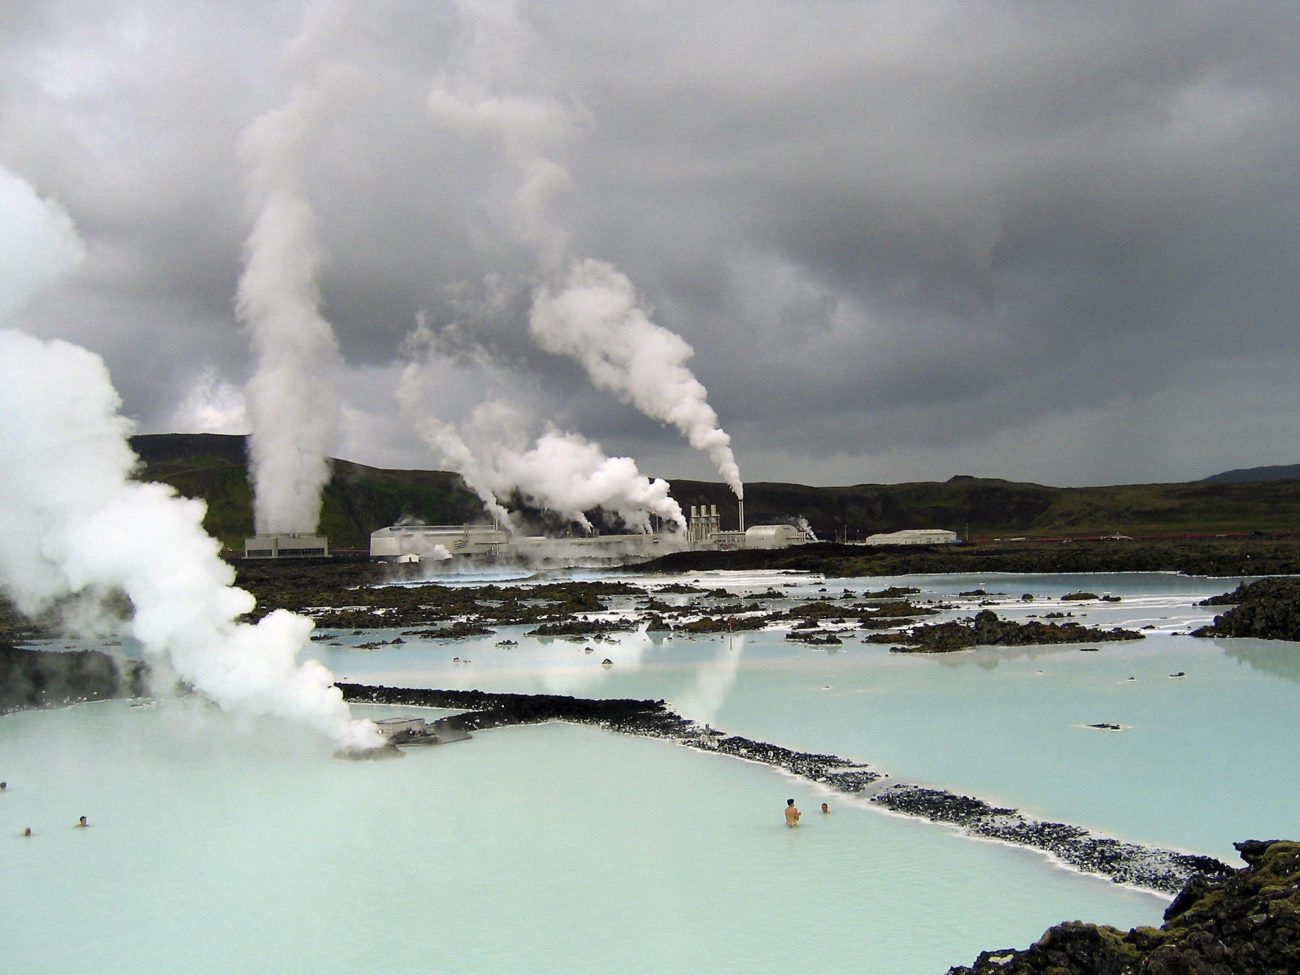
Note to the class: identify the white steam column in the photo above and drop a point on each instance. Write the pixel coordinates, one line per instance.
(593, 316)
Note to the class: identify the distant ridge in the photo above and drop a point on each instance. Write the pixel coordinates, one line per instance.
(359, 499)
(1246, 475)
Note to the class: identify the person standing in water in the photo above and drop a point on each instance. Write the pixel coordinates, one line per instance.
(792, 813)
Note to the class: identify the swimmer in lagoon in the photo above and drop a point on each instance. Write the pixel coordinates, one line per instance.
(81, 823)
(27, 831)
(825, 808)
(792, 813)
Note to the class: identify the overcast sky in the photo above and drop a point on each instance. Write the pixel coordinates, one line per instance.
(1056, 242)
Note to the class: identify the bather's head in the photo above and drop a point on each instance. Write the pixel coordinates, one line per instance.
(789, 802)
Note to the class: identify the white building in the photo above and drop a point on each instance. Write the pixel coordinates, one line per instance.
(287, 545)
(913, 536)
(777, 536)
(413, 542)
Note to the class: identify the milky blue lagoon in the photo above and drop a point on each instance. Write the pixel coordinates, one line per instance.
(234, 846)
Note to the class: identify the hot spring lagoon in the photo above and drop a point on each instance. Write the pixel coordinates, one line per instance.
(224, 845)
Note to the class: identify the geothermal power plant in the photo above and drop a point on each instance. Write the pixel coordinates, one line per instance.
(704, 532)
(416, 542)
(412, 542)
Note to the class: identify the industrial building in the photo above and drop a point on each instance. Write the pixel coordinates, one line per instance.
(416, 543)
(913, 536)
(410, 543)
(287, 545)
(704, 531)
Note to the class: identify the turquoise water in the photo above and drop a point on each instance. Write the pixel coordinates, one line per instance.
(235, 846)
(1202, 760)
(227, 847)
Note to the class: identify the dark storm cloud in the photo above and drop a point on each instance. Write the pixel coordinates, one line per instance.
(1051, 241)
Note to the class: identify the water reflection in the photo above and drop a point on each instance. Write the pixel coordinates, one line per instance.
(1276, 657)
(713, 681)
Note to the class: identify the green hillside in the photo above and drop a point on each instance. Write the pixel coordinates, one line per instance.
(986, 507)
(360, 499)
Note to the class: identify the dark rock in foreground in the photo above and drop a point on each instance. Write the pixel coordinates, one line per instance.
(48, 678)
(1162, 870)
(1268, 609)
(1247, 923)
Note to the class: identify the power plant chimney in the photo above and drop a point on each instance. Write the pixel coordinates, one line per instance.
(742, 514)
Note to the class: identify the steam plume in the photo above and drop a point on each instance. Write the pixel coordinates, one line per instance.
(414, 393)
(38, 242)
(566, 473)
(294, 395)
(561, 471)
(74, 526)
(73, 522)
(594, 317)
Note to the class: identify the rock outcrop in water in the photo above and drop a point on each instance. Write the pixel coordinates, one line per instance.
(1247, 923)
(987, 629)
(1268, 609)
(1162, 870)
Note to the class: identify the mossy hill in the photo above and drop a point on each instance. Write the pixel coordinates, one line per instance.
(360, 499)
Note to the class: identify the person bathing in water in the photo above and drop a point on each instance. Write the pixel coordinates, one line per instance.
(792, 813)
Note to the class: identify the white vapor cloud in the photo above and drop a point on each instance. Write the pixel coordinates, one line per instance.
(595, 317)
(75, 527)
(38, 243)
(294, 398)
(211, 405)
(72, 521)
(561, 471)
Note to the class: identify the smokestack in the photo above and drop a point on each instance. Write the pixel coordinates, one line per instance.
(742, 514)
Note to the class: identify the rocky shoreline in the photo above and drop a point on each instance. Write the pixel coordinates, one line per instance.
(1245, 923)
(1166, 871)
(1267, 609)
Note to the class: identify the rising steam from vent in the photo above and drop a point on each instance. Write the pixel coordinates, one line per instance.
(38, 242)
(560, 471)
(594, 316)
(75, 529)
(566, 473)
(73, 523)
(294, 396)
